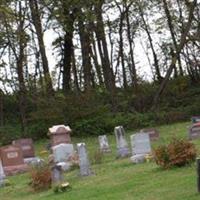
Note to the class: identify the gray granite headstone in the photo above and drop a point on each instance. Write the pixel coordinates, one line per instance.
(62, 152)
(140, 143)
(85, 169)
(103, 143)
(122, 145)
(2, 175)
(56, 174)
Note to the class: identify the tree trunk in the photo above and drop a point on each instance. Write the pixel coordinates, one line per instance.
(130, 41)
(102, 45)
(171, 28)
(38, 27)
(85, 49)
(156, 64)
(175, 57)
(121, 48)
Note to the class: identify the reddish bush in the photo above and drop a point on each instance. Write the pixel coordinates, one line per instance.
(40, 177)
(177, 153)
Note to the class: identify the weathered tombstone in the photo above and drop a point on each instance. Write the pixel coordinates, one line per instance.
(26, 144)
(195, 119)
(103, 143)
(27, 147)
(57, 175)
(122, 145)
(153, 133)
(194, 131)
(85, 169)
(2, 175)
(59, 134)
(12, 160)
(140, 143)
(141, 146)
(62, 152)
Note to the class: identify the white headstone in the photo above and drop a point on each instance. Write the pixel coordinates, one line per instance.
(122, 145)
(84, 163)
(140, 143)
(2, 175)
(103, 143)
(62, 152)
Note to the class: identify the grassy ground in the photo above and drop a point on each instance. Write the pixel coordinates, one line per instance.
(117, 179)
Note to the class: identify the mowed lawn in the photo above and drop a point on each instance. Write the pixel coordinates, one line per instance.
(117, 179)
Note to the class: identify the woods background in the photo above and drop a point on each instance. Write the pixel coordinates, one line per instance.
(97, 82)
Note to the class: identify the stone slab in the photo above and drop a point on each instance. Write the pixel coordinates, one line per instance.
(140, 143)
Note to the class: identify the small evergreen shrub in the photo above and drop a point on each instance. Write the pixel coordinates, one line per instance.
(178, 153)
(40, 177)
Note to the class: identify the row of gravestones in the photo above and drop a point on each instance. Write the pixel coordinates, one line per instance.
(16, 157)
(63, 151)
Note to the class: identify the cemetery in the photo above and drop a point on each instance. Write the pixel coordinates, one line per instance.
(99, 100)
(125, 172)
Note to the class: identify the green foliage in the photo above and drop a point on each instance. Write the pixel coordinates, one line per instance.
(178, 153)
(9, 133)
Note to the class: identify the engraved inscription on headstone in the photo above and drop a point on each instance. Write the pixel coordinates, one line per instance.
(122, 145)
(103, 143)
(140, 143)
(85, 169)
(12, 159)
(141, 146)
(26, 144)
(62, 152)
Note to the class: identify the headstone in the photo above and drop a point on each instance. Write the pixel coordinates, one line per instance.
(62, 152)
(12, 160)
(57, 175)
(27, 147)
(153, 133)
(140, 143)
(59, 134)
(103, 143)
(195, 119)
(122, 145)
(84, 163)
(138, 158)
(194, 131)
(2, 175)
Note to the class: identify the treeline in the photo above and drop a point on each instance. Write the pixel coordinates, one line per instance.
(97, 71)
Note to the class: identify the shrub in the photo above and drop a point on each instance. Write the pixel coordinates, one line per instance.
(40, 177)
(98, 157)
(178, 153)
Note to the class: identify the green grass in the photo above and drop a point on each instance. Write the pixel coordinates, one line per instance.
(117, 179)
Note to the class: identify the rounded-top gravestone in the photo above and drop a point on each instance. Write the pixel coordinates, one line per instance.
(59, 134)
(122, 145)
(85, 169)
(103, 143)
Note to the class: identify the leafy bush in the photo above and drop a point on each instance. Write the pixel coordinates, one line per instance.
(40, 176)
(178, 153)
